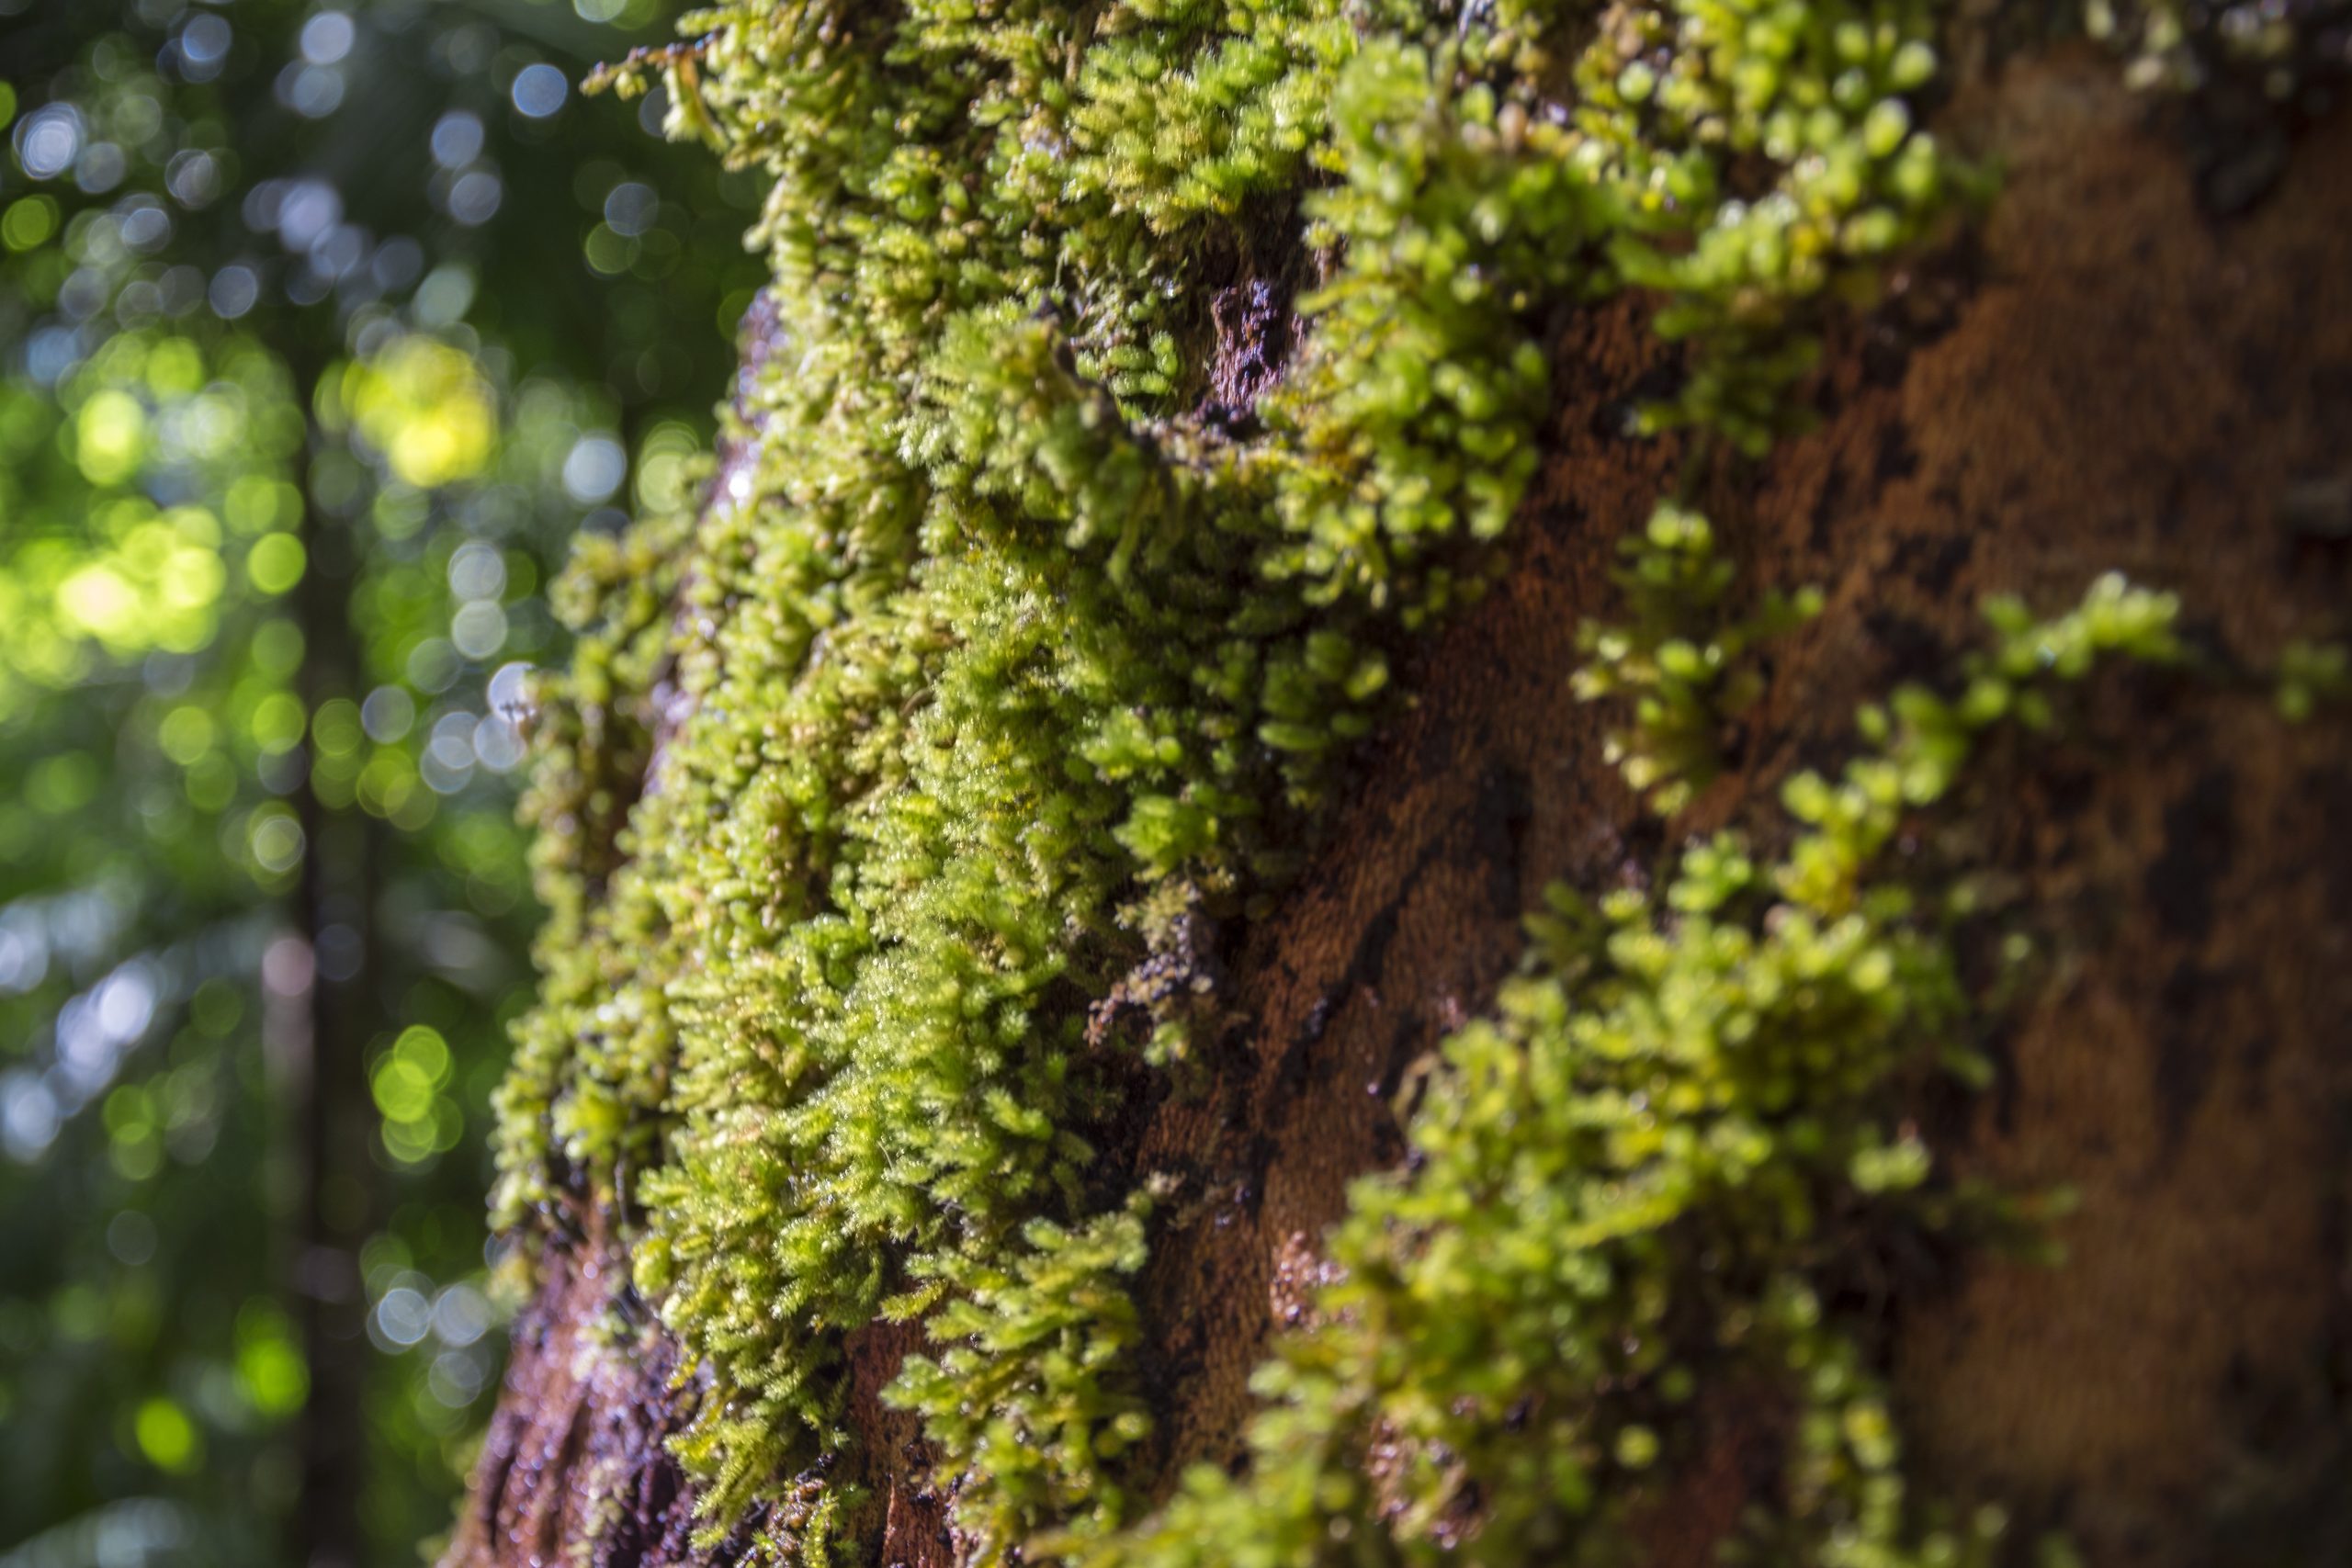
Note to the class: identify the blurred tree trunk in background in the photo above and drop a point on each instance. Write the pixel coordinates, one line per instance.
(334, 913)
(2108, 375)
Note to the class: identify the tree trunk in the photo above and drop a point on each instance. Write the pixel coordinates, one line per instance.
(2102, 376)
(334, 907)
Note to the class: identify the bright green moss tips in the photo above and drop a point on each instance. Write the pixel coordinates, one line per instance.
(1415, 418)
(1014, 648)
(1187, 111)
(1770, 159)
(1635, 1183)
(1681, 660)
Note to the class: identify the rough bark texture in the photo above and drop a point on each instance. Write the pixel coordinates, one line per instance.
(2105, 379)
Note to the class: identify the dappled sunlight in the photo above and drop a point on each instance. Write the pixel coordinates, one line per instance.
(425, 408)
(316, 351)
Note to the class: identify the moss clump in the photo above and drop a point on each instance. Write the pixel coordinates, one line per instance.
(1629, 1185)
(1186, 110)
(1770, 157)
(592, 737)
(2309, 674)
(1003, 647)
(1034, 1387)
(1687, 689)
(1459, 221)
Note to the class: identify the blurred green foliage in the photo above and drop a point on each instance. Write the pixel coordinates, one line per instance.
(324, 328)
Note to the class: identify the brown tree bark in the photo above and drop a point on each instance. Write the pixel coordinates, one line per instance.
(2103, 377)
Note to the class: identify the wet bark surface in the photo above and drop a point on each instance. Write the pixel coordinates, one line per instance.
(2104, 377)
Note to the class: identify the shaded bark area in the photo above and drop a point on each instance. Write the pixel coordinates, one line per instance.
(2103, 379)
(573, 1460)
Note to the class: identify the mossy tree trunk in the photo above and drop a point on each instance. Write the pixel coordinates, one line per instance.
(2102, 374)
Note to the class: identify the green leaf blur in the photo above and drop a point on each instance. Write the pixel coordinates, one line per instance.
(324, 329)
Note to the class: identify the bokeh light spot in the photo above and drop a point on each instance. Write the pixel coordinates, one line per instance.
(168, 1437)
(274, 563)
(540, 90)
(49, 141)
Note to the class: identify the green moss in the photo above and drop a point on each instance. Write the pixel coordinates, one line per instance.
(1004, 658)
(2278, 54)
(2309, 674)
(1630, 1186)
(1413, 421)
(593, 740)
(1035, 1390)
(1186, 110)
(1680, 658)
(1769, 157)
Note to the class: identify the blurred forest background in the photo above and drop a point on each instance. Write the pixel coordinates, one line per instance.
(324, 328)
